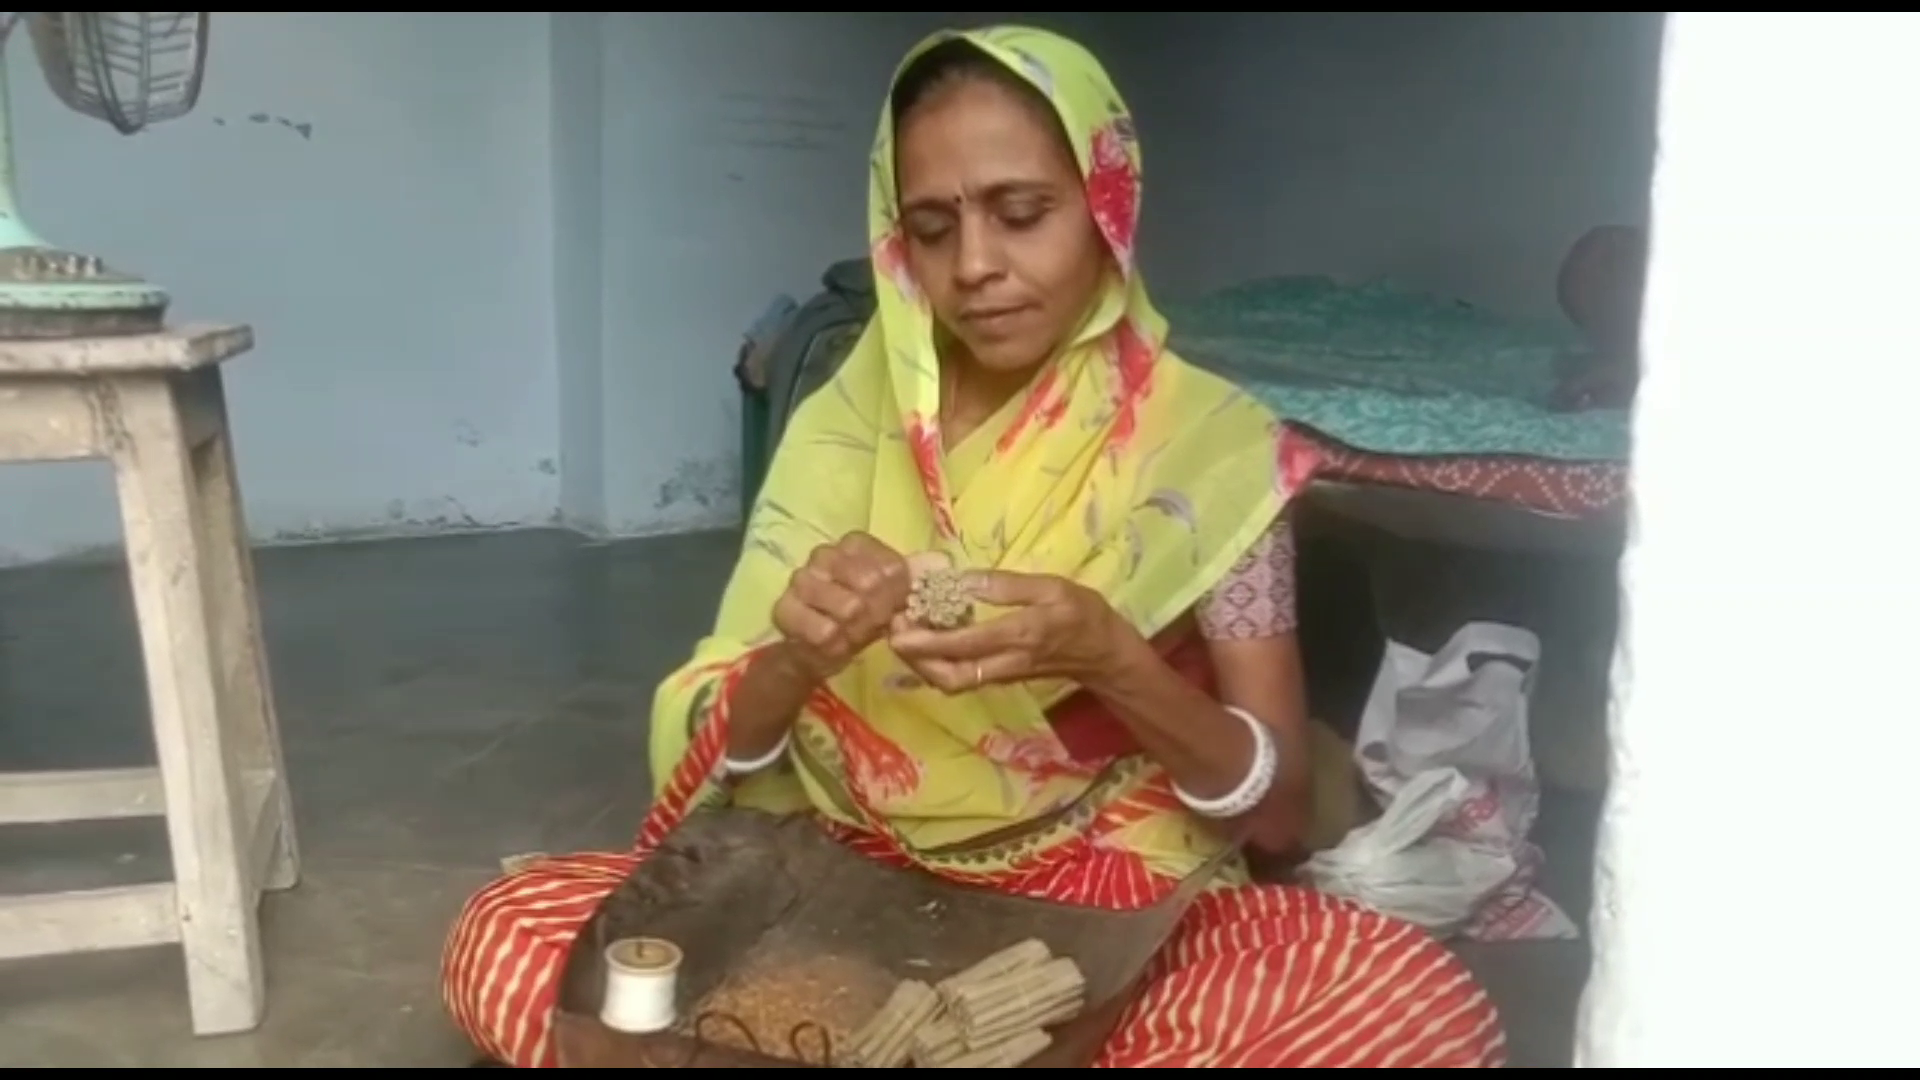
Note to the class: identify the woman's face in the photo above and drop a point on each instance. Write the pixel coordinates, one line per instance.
(995, 216)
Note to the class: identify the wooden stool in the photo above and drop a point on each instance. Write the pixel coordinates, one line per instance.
(153, 405)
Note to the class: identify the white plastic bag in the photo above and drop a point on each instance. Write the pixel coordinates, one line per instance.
(1395, 865)
(1443, 747)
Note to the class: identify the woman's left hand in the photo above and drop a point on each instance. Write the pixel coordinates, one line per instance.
(1056, 628)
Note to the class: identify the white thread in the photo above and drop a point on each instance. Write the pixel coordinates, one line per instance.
(1259, 780)
(642, 976)
(764, 761)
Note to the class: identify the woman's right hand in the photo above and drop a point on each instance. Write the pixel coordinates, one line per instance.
(841, 601)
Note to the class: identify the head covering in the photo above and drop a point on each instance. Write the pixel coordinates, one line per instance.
(1120, 467)
(1600, 285)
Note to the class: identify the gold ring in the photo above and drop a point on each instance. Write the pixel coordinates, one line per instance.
(979, 675)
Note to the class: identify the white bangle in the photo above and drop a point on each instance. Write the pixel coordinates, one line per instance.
(736, 769)
(1260, 773)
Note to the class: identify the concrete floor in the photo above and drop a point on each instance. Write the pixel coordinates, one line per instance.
(443, 703)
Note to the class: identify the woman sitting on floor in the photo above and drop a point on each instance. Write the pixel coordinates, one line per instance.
(1127, 702)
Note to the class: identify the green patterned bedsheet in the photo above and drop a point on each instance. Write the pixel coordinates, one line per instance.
(1395, 372)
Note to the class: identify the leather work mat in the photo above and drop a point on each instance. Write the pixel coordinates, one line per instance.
(751, 896)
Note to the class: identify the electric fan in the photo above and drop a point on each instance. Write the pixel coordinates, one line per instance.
(131, 69)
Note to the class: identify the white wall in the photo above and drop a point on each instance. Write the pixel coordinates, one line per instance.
(371, 191)
(500, 276)
(1757, 853)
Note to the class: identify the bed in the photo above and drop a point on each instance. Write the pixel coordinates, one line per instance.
(1424, 419)
(1426, 415)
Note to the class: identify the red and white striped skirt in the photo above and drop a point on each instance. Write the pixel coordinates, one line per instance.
(1259, 977)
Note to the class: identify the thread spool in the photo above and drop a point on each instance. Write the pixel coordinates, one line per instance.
(642, 975)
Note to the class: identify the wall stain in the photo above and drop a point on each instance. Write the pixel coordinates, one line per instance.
(428, 517)
(800, 143)
(705, 482)
(302, 128)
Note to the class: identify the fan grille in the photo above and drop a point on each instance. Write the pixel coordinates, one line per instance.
(129, 68)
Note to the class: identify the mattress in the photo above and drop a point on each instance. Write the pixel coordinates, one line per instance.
(1392, 386)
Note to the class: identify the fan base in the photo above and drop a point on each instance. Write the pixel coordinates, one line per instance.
(49, 293)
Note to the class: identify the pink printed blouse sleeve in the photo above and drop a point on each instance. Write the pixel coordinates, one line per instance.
(1256, 598)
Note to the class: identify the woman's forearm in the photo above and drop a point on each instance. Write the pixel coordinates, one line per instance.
(766, 702)
(1206, 749)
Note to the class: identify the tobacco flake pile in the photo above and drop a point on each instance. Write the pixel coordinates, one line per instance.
(993, 1015)
(764, 1008)
(939, 600)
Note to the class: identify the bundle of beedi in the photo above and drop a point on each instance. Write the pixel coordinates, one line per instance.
(993, 1015)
